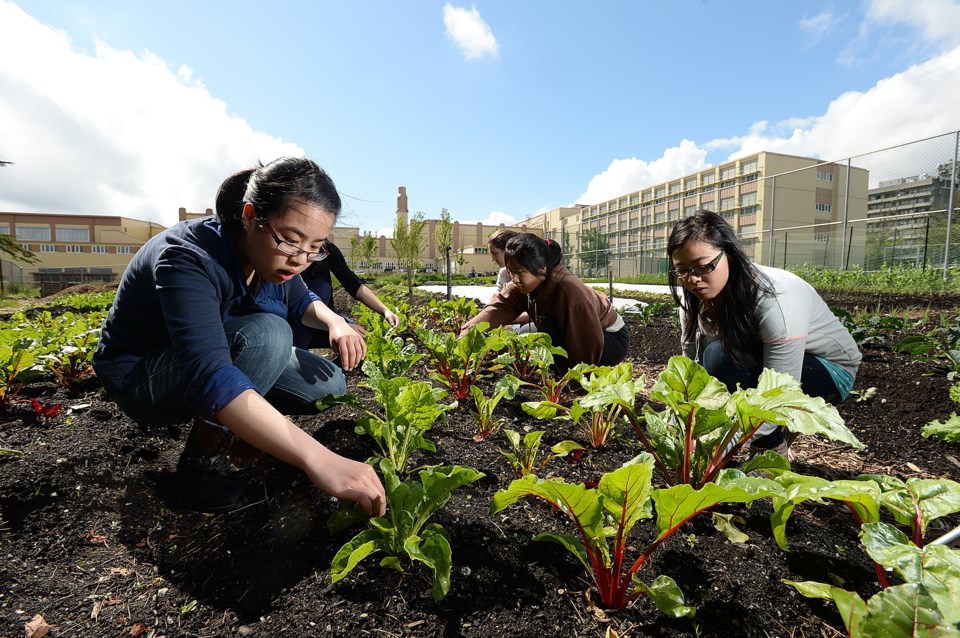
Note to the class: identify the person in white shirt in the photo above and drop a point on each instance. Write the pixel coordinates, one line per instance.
(737, 318)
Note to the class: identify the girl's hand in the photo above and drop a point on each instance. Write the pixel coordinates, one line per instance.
(347, 344)
(345, 478)
(391, 318)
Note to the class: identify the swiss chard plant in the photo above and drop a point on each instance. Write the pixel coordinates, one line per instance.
(604, 516)
(923, 602)
(405, 534)
(524, 453)
(941, 345)
(703, 426)
(597, 422)
(450, 315)
(947, 430)
(645, 313)
(388, 355)
(459, 363)
(869, 329)
(18, 366)
(410, 408)
(557, 392)
(529, 353)
(70, 356)
(484, 408)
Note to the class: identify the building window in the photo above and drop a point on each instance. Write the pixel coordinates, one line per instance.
(748, 167)
(73, 234)
(660, 192)
(26, 247)
(48, 248)
(690, 184)
(707, 206)
(99, 249)
(824, 176)
(729, 172)
(74, 248)
(726, 203)
(689, 210)
(824, 208)
(748, 199)
(4, 229)
(707, 179)
(124, 250)
(33, 233)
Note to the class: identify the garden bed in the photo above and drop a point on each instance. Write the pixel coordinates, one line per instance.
(93, 540)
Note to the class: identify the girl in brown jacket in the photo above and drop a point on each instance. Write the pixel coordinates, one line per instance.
(578, 318)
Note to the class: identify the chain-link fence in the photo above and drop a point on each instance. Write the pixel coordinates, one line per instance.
(893, 207)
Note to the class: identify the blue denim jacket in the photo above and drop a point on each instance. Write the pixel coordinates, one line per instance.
(177, 292)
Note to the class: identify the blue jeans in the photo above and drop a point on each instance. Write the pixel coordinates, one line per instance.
(291, 379)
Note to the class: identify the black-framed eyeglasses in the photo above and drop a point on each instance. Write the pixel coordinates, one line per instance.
(698, 271)
(291, 249)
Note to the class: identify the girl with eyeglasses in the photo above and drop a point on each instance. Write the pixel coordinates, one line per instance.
(577, 317)
(738, 317)
(199, 329)
(318, 278)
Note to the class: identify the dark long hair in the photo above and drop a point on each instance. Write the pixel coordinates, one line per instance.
(532, 253)
(272, 187)
(738, 323)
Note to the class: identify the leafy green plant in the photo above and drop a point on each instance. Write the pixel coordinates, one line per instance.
(460, 362)
(606, 514)
(528, 353)
(869, 329)
(450, 315)
(597, 422)
(87, 302)
(388, 356)
(18, 366)
(70, 355)
(483, 412)
(406, 531)
(645, 313)
(703, 426)
(942, 344)
(523, 452)
(924, 603)
(410, 408)
(556, 391)
(947, 431)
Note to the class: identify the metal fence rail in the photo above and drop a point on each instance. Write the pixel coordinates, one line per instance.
(892, 207)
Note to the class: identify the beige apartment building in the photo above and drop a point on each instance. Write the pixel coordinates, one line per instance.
(787, 210)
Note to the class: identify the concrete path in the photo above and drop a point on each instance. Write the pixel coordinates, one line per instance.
(483, 293)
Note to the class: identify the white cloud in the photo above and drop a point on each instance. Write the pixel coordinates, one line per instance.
(937, 20)
(628, 175)
(112, 132)
(495, 218)
(917, 103)
(469, 32)
(913, 105)
(818, 26)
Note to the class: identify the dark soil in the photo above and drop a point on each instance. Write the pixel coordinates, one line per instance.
(92, 535)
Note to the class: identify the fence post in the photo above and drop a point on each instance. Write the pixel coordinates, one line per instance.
(845, 250)
(773, 208)
(926, 241)
(785, 244)
(951, 202)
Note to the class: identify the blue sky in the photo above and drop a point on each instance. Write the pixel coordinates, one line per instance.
(493, 110)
